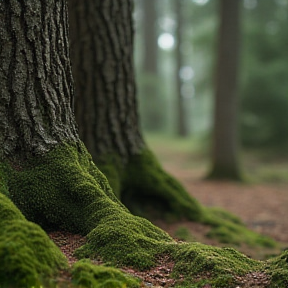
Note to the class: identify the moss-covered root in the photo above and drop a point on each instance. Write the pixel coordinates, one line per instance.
(125, 240)
(85, 274)
(27, 255)
(64, 189)
(147, 188)
(200, 264)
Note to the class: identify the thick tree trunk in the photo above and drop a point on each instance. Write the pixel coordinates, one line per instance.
(104, 76)
(225, 137)
(36, 83)
(106, 109)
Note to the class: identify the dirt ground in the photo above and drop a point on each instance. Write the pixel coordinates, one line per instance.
(262, 207)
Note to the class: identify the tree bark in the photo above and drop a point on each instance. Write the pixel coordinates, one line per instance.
(103, 69)
(35, 75)
(106, 109)
(225, 137)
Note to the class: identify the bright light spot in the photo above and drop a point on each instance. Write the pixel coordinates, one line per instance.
(166, 41)
(186, 73)
(250, 4)
(200, 2)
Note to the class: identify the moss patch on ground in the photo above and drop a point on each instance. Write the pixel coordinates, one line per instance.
(229, 229)
(277, 268)
(27, 255)
(85, 274)
(201, 264)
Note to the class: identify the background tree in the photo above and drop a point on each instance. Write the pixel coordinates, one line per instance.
(152, 118)
(182, 129)
(225, 132)
(106, 111)
(264, 70)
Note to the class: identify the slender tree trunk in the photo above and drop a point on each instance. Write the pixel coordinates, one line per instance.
(150, 62)
(182, 129)
(225, 137)
(106, 109)
(150, 98)
(36, 83)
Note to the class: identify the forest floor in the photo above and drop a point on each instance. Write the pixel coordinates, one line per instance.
(260, 201)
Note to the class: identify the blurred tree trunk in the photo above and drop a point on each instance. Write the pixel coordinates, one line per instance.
(106, 111)
(225, 136)
(182, 129)
(150, 98)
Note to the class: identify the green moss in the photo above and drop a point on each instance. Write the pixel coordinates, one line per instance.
(27, 255)
(85, 274)
(207, 264)
(150, 192)
(64, 190)
(8, 211)
(277, 268)
(3, 179)
(125, 239)
(229, 229)
(146, 183)
(112, 167)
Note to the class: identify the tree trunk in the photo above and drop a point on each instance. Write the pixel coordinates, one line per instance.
(182, 129)
(36, 82)
(103, 69)
(225, 137)
(106, 110)
(152, 118)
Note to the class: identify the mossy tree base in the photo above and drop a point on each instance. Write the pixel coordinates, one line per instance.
(63, 189)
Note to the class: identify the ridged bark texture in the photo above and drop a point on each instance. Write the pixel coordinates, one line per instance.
(36, 91)
(102, 55)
